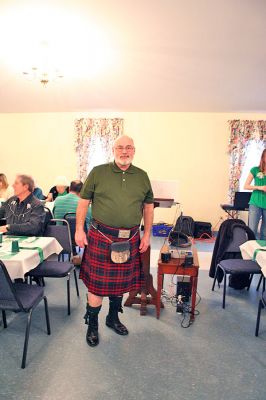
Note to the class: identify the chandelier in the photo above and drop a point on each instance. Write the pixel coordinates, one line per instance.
(43, 69)
(42, 75)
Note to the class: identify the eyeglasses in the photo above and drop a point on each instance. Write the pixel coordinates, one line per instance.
(127, 148)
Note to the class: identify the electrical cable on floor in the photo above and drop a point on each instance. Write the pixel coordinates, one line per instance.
(186, 308)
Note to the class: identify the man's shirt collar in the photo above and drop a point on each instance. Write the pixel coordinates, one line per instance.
(115, 168)
(26, 200)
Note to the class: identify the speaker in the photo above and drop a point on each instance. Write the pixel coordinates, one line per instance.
(183, 289)
(179, 239)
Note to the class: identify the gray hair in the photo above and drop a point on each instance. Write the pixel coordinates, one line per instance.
(27, 180)
(123, 136)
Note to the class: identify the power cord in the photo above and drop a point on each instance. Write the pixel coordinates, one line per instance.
(174, 301)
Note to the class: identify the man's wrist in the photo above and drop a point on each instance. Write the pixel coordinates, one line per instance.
(147, 233)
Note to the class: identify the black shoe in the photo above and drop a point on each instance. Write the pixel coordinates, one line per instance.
(92, 337)
(112, 320)
(116, 325)
(91, 319)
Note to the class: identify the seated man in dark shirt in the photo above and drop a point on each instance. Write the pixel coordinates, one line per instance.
(24, 213)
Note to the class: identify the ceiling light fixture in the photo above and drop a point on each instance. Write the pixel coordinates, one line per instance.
(44, 63)
(42, 75)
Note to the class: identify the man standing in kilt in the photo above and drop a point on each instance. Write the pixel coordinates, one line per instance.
(120, 194)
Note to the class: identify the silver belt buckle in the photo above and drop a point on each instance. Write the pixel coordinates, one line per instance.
(124, 233)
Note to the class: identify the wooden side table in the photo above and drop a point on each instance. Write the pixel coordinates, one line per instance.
(175, 267)
(148, 294)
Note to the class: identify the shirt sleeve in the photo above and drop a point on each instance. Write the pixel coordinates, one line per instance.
(149, 198)
(88, 188)
(254, 171)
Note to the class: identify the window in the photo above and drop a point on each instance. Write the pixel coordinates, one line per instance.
(253, 153)
(97, 155)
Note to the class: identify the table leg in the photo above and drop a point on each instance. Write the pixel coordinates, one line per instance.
(159, 291)
(194, 281)
(143, 303)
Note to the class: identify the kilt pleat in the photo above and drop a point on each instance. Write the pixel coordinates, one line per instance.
(101, 276)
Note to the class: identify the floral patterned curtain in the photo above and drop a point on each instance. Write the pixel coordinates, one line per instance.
(241, 133)
(86, 132)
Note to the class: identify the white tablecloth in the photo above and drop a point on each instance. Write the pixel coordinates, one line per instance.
(18, 264)
(248, 249)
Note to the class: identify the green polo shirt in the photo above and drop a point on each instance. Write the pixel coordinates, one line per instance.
(258, 197)
(117, 196)
(68, 204)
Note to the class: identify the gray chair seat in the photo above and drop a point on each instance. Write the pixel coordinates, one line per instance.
(51, 269)
(20, 297)
(236, 266)
(28, 295)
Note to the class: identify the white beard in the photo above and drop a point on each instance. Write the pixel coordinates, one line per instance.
(126, 161)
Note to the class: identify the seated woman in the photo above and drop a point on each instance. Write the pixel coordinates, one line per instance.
(60, 189)
(6, 191)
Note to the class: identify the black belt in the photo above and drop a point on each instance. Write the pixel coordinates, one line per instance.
(112, 231)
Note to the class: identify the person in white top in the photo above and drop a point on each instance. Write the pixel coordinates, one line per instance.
(6, 191)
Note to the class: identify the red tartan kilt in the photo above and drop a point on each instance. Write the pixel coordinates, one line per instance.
(105, 278)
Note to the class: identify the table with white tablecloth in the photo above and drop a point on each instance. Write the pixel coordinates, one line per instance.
(255, 250)
(32, 251)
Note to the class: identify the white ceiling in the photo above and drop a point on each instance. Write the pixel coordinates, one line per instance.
(168, 55)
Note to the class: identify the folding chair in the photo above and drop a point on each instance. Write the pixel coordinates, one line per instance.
(71, 219)
(20, 297)
(58, 269)
(235, 265)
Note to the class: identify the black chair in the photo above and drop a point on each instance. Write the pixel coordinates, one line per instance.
(57, 269)
(237, 265)
(48, 217)
(20, 297)
(262, 304)
(71, 219)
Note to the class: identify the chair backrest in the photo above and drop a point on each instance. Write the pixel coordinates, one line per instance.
(239, 237)
(71, 219)
(48, 217)
(241, 200)
(8, 298)
(61, 233)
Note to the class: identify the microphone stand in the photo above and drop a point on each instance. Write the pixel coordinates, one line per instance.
(180, 230)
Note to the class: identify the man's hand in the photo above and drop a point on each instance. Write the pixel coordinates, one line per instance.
(80, 235)
(81, 239)
(3, 229)
(144, 243)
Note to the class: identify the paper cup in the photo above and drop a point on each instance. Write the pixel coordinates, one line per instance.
(14, 246)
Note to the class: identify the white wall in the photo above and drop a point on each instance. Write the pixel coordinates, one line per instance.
(188, 147)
